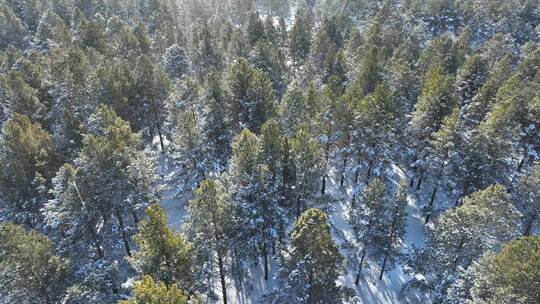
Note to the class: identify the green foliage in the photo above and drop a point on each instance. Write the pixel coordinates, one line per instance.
(163, 254)
(29, 270)
(146, 291)
(28, 161)
(513, 275)
(313, 263)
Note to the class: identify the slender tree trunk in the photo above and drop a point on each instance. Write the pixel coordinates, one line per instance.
(520, 165)
(420, 180)
(265, 256)
(384, 264)
(354, 186)
(222, 277)
(431, 201)
(135, 217)
(343, 171)
(529, 226)
(360, 267)
(124, 236)
(368, 174)
(298, 207)
(323, 188)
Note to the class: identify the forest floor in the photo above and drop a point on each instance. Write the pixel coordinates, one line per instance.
(369, 290)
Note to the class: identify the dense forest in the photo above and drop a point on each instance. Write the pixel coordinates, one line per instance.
(269, 151)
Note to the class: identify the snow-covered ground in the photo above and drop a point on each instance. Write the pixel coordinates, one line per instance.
(369, 290)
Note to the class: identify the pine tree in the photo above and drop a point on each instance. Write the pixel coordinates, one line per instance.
(483, 222)
(368, 221)
(147, 291)
(443, 158)
(395, 232)
(527, 199)
(176, 61)
(22, 97)
(216, 121)
(372, 135)
(435, 102)
(30, 272)
(300, 39)
(163, 254)
(28, 160)
(251, 94)
(209, 224)
(308, 159)
(509, 276)
(313, 263)
(255, 195)
(12, 29)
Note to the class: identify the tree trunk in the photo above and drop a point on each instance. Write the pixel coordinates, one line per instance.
(323, 188)
(368, 174)
(298, 207)
(431, 201)
(529, 226)
(420, 180)
(135, 217)
(343, 171)
(124, 236)
(354, 186)
(222, 278)
(265, 256)
(360, 267)
(384, 264)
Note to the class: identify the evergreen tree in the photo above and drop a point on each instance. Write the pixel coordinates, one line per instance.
(28, 160)
(483, 222)
(300, 39)
(251, 94)
(208, 226)
(395, 232)
(372, 135)
(368, 221)
(30, 272)
(443, 159)
(509, 276)
(527, 199)
(147, 291)
(163, 254)
(435, 102)
(313, 263)
(12, 30)
(308, 159)
(176, 62)
(255, 196)
(216, 121)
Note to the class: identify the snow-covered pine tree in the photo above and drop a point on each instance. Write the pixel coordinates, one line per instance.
(395, 229)
(210, 226)
(255, 197)
(312, 264)
(369, 221)
(484, 221)
(309, 163)
(163, 254)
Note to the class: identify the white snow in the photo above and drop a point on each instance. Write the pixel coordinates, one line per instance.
(370, 288)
